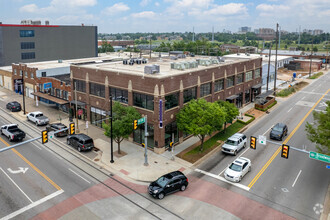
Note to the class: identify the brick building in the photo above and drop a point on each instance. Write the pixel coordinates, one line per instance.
(160, 88)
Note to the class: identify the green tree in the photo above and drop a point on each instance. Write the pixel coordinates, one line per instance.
(105, 47)
(315, 49)
(200, 118)
(320, 133)
(122, 124)
(230, 109)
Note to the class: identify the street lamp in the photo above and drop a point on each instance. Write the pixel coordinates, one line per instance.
(111, 136)
(23, 88)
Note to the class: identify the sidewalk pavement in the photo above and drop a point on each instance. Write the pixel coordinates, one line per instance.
(130, 164)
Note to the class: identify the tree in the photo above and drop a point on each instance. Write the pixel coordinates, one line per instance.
(122, 125)
(315, 49)
(105, 47)
(230, 109)
(200, 118)
(320, 133)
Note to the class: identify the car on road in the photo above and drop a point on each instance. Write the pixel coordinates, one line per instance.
(167, 184)
(238, 169)
(38, 118)
(278, 131)
(12, 132)
(234, 144)
(14, 106)
(57, 127)
(81, 142)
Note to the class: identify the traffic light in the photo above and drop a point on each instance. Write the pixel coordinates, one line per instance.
(72, 129)
(135, 124)
(143, 144)
(171, 144)
(285, 151)
(44, 136)
(253, 142)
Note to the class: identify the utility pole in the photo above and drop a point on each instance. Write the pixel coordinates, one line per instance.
(326, 58)
(270, 53)
(75, 97)
(150, 46)
(275, 76)
(146, 141)
(23, 88)
(310, 59)
(111, 135)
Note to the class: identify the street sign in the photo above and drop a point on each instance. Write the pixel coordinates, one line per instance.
(47, 85)
(141, 121)
(51, 134)
(262, 139)
(318, 156)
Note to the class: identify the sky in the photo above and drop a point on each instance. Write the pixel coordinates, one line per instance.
(130, 16)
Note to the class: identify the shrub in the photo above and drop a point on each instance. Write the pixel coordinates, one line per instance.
(271, 105)
(286, 92)
(249, 121)
(316, 75)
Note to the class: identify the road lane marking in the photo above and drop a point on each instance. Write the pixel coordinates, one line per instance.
(16, 185)
(267, 130)
(286, 140)
(79, 176)
(32, 205)
(303, 97)
(223, 179)
(20, 170)
(290, 109)
(296, 178)
(31, 165)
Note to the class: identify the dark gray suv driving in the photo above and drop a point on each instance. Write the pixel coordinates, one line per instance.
(81, 142)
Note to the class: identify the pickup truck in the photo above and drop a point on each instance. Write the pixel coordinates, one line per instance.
(12, 132)
(38, 118)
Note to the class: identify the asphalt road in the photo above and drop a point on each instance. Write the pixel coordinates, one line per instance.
(296, 186)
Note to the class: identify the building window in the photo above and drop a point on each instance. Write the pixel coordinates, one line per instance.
(43, 74)
(119, 95)
(52, 91)
(25, 74)
(98, 116)
(171, 132)
(27, 45)
(240, 78)
(32, 76)
(26, 56)
(58, 93)
(171, 101)
(218, 85)
(189, 94)
(138, 135)
(65, 95)
(21, 72)
(230, 81)
(15, 71)
(80, 85)
(26, 33)
(248, 76)
(143, 101)
(257, 73)
(205, 89)
(97, 89)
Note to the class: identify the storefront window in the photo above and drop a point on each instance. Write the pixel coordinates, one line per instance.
(171, 133)
(171, 101)
(98, 116)
(138, 135)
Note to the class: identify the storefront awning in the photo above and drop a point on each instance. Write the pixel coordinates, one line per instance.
(50, 98)
(257, 86)
(232, 97)
(82, 104)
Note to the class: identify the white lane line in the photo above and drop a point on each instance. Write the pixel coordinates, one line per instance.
(80, 176)
(223, 179)
(303, 97)
(32, 205)
(16, 185)
(36, 146)
(267, 130)
(296, 178)
(313, 90)
(290, 109)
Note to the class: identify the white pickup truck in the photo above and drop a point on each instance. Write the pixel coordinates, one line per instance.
(12, 132)
(38, 118)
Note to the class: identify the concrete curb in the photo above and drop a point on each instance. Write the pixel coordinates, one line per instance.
(209, 154)
(326, 211)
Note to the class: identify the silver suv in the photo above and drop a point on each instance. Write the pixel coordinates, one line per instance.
(234, 144)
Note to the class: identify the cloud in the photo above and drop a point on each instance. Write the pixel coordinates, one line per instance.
(228, 9)
(74, 3)
(272, 8)
(116, 8)
(144, 14)
(32, 8)
(144, 3)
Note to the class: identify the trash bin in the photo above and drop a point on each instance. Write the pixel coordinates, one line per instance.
(294, 75)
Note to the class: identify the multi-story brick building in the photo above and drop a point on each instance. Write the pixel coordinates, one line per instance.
(160, 88)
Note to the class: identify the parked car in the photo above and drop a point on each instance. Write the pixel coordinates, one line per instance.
(14, 106)
(81, 142)
(57, 127)
(168, 183)
(38, 118)
(12, 132)
(238, 169)
(278, 131)
(234, 144)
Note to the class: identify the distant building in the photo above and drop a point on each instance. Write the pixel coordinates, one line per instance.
(34, 42)
(313, 32)
(122, 43)
(266, 33)
(244, 30)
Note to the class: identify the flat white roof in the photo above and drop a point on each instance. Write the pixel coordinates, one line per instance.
(264, 57)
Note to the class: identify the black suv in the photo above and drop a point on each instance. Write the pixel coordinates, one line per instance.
(56, 127)
(81, 142)
(14, 106)
(169, 183)
(278, 131)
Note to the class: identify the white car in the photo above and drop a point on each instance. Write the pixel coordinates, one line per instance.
(238, 169)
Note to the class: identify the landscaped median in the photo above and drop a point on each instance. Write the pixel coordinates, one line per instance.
(316, 75)
(292, 89)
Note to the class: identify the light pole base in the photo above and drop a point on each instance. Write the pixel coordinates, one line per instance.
(112, 161)
(146, 164)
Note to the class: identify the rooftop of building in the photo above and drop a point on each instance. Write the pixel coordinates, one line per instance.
(284, 52)
(265, 58)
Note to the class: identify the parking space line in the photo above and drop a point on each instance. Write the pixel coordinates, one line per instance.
(223, 179)
(79, 176)
(16, 185)
(290, 109)
(32, 205)
(296, 178)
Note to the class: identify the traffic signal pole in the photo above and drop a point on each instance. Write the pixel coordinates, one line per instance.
(146, 141)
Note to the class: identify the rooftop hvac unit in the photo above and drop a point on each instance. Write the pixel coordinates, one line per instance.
(186, 65)
(151, 69)
(172, 65)
(60, 61)
(138, 61)
(125, 62)
(173, 58)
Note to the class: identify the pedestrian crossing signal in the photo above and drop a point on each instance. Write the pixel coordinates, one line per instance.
(285, 151)
(253, 142)
(143, 144)
(72, 129)
(135, 124)
(44, 136)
